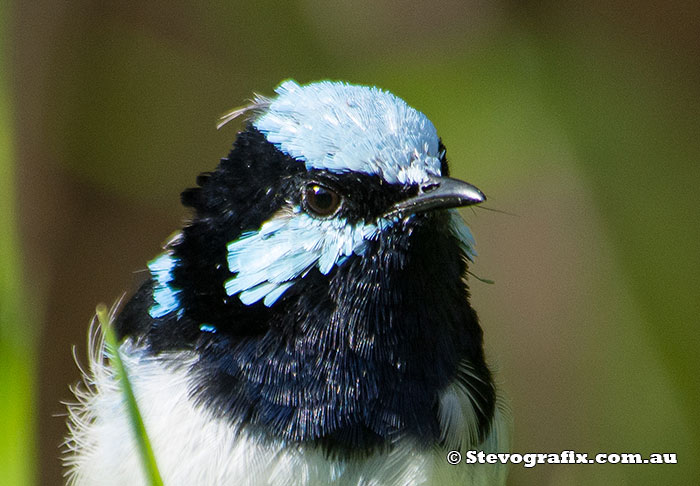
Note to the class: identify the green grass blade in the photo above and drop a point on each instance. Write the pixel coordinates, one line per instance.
(149, 459)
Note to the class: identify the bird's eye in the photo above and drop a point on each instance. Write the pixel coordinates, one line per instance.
(320, 200)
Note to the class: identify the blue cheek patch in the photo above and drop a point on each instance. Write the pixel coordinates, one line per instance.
(267, 262)
(165, 296)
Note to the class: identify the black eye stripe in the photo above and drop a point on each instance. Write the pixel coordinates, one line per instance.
(363, 197)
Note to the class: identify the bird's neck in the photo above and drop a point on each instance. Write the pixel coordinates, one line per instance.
(348, 359)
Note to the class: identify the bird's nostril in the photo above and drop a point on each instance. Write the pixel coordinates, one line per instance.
(430, 186)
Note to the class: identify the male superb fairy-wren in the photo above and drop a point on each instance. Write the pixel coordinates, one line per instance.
(310, 324)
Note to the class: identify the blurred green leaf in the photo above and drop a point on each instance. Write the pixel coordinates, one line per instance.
(148, 458)
(17, 354)
(632, 117)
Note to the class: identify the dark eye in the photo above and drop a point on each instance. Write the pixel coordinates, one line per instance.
(320, 200)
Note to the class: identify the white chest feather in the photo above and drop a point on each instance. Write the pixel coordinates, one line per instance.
(194, 448)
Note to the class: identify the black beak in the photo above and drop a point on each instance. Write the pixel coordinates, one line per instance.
(439, 193)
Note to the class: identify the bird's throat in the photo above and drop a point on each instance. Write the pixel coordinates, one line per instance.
(357, 357)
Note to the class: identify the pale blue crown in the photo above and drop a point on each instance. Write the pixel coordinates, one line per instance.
(341, 127)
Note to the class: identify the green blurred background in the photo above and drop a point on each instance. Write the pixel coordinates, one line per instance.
(582, 120)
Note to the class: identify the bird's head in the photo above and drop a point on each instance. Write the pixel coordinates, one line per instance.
(323, 269)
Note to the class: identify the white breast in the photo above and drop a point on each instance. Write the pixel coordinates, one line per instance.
(194, 448)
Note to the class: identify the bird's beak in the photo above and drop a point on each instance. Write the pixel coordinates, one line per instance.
(439, 193)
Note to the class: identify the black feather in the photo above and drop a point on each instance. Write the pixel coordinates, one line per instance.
(351, 360)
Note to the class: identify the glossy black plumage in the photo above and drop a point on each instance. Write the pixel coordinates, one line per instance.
(351, 360)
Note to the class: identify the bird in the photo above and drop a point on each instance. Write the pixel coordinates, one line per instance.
(310, 323)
